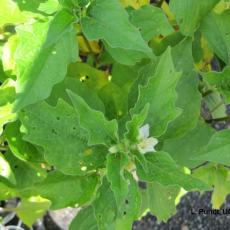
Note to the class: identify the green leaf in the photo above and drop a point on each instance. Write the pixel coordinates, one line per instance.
(220, 80)
(105, 208)
(45, 49)
(162, 110)
(7, 97)
(100, 130)
(107, 215)
(64, 191)
(31, 209)
(116, 164)
(90, 76)
(123, 40)
(218, 177)
(5, 170)
(10, 13)
(57, 130)
(115, 99)
(85, 219)
(151, 22)
(21, 149)
(160, 167)
(190, 145)
(160, 200)
(9, 49)
(189, 13)
(26, 173)
(49, 7)
(188, 95)
(76, 86)
(131, 206)
(215, 28)
(7, 191)
(135, 123)
(215, 104)
(217, 149)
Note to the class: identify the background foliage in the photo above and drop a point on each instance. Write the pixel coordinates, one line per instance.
(89, 87)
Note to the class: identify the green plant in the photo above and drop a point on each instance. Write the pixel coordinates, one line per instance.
(97, 95)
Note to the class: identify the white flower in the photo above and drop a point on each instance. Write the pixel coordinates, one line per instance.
(146, 143)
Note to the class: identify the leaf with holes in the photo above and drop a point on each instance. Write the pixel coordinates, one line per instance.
(57, 131)
(100, 130)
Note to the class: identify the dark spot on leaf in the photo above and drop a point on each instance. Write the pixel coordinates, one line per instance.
(16, 166)
(58, 118)
(74, 128)
(126, 201)
(124, 213)
(87, 77)
(54, 131)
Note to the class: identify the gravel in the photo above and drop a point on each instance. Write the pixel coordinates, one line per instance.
(185, 220)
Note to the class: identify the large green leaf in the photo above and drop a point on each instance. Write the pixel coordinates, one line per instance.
(122, 39)
(217, 149)
(189, 98)
(151, 22)
(85, 219)
(189, 145)
(160, 200)
(100, 130)
(189, 13)
(215, 28)
(44, 51)
(63, 190)
(160, 167)
(57, 130)
(220, 80)
(162, 109)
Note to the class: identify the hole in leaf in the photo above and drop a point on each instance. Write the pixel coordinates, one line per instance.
(54, 131)
(83, 168)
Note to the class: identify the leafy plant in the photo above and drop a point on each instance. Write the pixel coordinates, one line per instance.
(97, 96)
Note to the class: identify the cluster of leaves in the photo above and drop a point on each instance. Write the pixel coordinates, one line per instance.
(80, 82)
